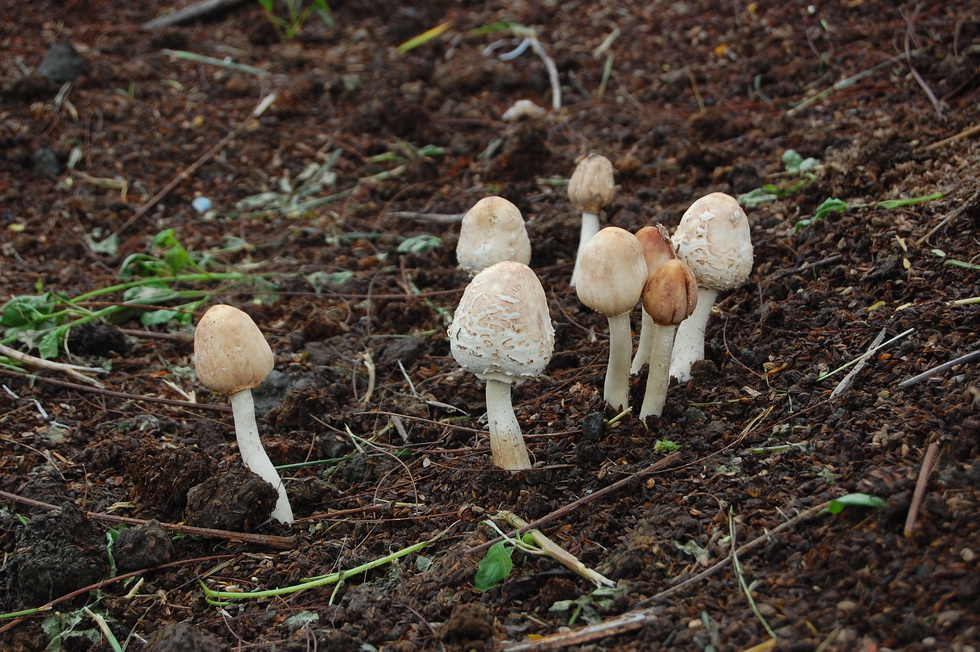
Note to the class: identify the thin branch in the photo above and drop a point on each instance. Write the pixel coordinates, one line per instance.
(847, 380)
(75, 371)
(920, 488)
(187, 14)
(268, 540)
(946, 366)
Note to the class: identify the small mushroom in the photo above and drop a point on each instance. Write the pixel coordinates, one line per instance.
(713, 239)
(590, 189)
(669, 297)
(502, 332)
(492, 230)
(232, 357)
(656, 250)
(610, 281)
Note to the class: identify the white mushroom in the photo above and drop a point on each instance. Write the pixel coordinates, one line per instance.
(232, 357)
(669, 297)
(502, 332)
(713, 239)
(492, 230)
(656, 250)
(610, 281)
(590, 188)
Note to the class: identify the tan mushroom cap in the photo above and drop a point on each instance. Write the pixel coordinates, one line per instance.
(713, 239)
(671, 293)
(230, 352)
(612, 272)
(657, 248)
(592, 186)
(492, 231)
(501, 329)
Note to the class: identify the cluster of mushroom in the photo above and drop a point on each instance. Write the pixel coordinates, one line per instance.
(502, 331)
(676, 279)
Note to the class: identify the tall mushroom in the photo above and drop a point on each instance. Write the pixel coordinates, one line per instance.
(492, 230)
(590, 189)
(232, 357)
(502, 332)
(656, 250)
(713, 239)
(669, 297)
(610, 281)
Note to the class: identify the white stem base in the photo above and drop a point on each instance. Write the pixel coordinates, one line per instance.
(590, 226)
(617, 386)
(255, 458)
(658, 376)
(689, 341)
(506, 441)
(645, 345)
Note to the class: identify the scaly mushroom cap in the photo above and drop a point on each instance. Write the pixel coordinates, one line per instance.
(492, 231)
(591, 186)
(713, 239)
(612, 272)
(502, 329)
(230, 352)
(671, 293)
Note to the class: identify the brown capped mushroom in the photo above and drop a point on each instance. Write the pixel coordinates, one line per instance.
(657, 249)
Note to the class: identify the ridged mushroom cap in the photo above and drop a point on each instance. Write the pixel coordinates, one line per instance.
(713, 239)
(612, 272)
(670, 293)
(592, 186)
(230, 352)
(501, 329)
(492, 231)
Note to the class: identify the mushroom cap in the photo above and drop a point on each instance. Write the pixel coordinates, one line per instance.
(591, 186)
(612, 272)
(492, 231)
(670, 293)
(713, 239)
(230, 352)
(502, 329)
(657, 248)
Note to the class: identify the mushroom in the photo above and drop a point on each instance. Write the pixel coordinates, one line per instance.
(492, 231)
(669, 297)
(713, 239)
(656, 250)
(502, 332)
(232, 357)
(611, 279)
(590, 188)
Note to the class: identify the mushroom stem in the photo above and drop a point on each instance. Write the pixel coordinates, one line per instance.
(658, 376)
(616, 388)
(689, 341)
(255, 458)
(590, 226)
(644, 347)
(506, 440)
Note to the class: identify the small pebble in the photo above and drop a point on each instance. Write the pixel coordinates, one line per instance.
(201, 204)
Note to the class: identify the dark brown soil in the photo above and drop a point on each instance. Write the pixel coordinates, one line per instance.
(384, 435)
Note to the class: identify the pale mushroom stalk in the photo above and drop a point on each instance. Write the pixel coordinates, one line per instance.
(616, 387)
(658, 378)
(689, 340)
(506, 441)
(590, 226)
(253, 454)
(644, 346)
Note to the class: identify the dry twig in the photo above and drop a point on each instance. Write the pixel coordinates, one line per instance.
(75, 371)
(920, 488)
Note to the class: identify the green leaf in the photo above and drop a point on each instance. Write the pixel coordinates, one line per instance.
(419, 244)
(664, 446)
(495, 566)
(898, 203)
(27, 309)
(837, 505)
(50, 344)
(828, 206)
